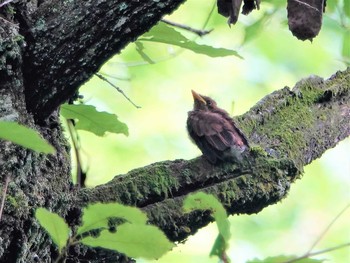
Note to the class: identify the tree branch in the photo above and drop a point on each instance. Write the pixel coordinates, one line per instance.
(82, 36)
(288, 129)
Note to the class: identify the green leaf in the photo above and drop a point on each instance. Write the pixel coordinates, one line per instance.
(89, 119)
(54, 225)
(26, 137)
(280, 259)
(219, 247)
(96, 216)
(134, 240)
(163, 33)
(346, 44)
(203, 201)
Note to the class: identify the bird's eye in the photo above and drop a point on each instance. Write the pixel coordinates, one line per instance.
(209, 103)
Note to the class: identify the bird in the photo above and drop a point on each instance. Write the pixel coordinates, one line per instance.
(214, 131)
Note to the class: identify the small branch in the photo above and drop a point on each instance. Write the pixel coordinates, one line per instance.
(326, 230)
(114, 77)
(318, 253)
(6, 2)
(117, 88)
(198, 32)
(209, 15)
(4, 191)
(308, 254)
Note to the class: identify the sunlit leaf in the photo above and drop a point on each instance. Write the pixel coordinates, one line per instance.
(219, 246)
(96, 216)
(280, 259)
(163, 33)
(89, 119)
(134, 240)
(55, 226)
(203, 201)
(26, 137)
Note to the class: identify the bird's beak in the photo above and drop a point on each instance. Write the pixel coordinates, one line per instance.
(198, 97)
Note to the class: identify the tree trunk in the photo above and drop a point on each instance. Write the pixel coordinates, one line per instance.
(49, 48)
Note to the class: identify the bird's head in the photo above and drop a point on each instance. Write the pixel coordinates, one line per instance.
(203, 102)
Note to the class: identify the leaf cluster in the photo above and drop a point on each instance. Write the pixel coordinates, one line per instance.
(134, 236)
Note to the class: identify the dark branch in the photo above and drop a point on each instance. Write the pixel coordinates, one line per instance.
(118, 89)
(198, 32)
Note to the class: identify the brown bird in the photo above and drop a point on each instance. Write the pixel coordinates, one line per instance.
(214, 132)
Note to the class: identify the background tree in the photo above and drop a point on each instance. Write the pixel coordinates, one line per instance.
(61, 48)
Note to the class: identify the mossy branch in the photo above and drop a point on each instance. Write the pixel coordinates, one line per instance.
(287, 130)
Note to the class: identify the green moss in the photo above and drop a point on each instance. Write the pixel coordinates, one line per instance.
(160, 181)
(155, 181)
(283, 129)
(12, 201)
(257, 151)
(17, 203)
(309, 90)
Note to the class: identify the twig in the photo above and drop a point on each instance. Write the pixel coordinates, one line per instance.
(117, 88)
(199, 32)
(309, 254)
(114, 77)
(4, 191)
(318, 253)
(6, 2)
(327, 228)
(209, 15)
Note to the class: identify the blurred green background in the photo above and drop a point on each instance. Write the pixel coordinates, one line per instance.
(272, 59)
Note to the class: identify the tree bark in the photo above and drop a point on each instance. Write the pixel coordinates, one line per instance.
(49, 48)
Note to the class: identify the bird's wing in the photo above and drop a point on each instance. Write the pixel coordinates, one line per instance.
(217, 130)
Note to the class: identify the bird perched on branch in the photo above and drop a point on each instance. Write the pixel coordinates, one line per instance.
(214, 132)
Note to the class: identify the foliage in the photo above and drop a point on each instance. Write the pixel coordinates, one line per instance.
(203, 201)
(165, 34)
(89, 119)
(55, 227)
(25, 137)
(134, 240)
(93, 220)
(133, 236)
